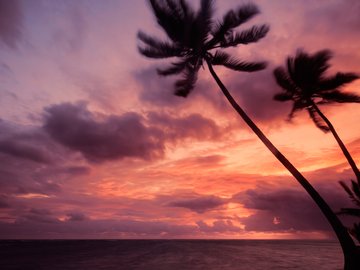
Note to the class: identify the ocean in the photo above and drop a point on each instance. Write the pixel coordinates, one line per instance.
(169, 254)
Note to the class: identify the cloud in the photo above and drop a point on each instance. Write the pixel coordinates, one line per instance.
(41, 227)
(39, 216)
(76, 216)
(288, 209)
(11, 22)
(190, 126)
(130, 135)
(23, 150)
(219, 226)
(199, 204)
(113, 137)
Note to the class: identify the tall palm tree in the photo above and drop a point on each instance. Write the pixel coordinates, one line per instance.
(194, 39)
(354, 194)
(303, 81)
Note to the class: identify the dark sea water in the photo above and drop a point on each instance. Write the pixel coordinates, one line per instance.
(170, 254)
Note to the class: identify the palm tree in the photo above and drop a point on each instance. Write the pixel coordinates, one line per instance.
(304, 82)
(354, 194)
(194, 39)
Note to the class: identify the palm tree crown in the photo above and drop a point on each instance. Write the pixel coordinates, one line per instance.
(192, 35)
(304, 82)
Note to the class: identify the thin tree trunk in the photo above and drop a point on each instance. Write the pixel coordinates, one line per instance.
(346, 242)
(339, 141)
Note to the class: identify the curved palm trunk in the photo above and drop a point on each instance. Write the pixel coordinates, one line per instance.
(346, 242)
(339, 141)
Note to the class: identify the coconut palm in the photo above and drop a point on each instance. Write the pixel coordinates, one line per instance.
(194, 39)
(303, 81)
(354, 194)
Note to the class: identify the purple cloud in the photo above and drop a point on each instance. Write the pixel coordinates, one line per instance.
(287, 209)
(219, 226)
(23, 149)
(199, 204)
(126, 136)
(76, 216)
(114, 137)
(190, 126)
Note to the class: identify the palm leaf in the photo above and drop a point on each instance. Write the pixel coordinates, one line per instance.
(284, 81)
(297, 106)
(350, 193)
(222, 58)
(185, 85)
(319, 122)
(283, 96)
(253, 34)
(336, 81)
(356, 189)
(174, 17)
(339, 97)
(175, 68)
(203, 21)
(157, 49)
(306, 70)
(233, 19)
(350, 212)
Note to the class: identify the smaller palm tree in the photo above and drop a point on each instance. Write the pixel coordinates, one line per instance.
(354, 194)
(303, 81)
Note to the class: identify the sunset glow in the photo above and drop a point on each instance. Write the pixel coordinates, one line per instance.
(93, 143)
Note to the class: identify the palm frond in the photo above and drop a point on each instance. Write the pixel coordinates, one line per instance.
(339, 97)
(306, 70)
(356, 189)
(203, 21)
(224, 59)
(355, 231)
(184, 86)
(283, 96)
(352, 195)
(174, 17)
(319, 122)
(284, 81)
(175, 68)
(336, 81)
(155, 48)
(297, 106)
(350, 212)
(233, 19)
(253, 34)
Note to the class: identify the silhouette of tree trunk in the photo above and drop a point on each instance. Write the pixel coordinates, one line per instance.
(351, 255)
(339, 141)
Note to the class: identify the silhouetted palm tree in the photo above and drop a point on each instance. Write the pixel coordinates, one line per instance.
(194, 39)
(304, 82)
(354, 194)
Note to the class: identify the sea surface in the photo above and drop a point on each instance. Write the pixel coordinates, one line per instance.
(169, 254)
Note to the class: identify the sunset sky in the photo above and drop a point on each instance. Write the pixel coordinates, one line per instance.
(93, 143)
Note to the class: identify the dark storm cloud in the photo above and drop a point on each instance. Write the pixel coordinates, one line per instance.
(288, 209)
(11, 20)
(114, 137)
(126, 136)
(199, 204)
